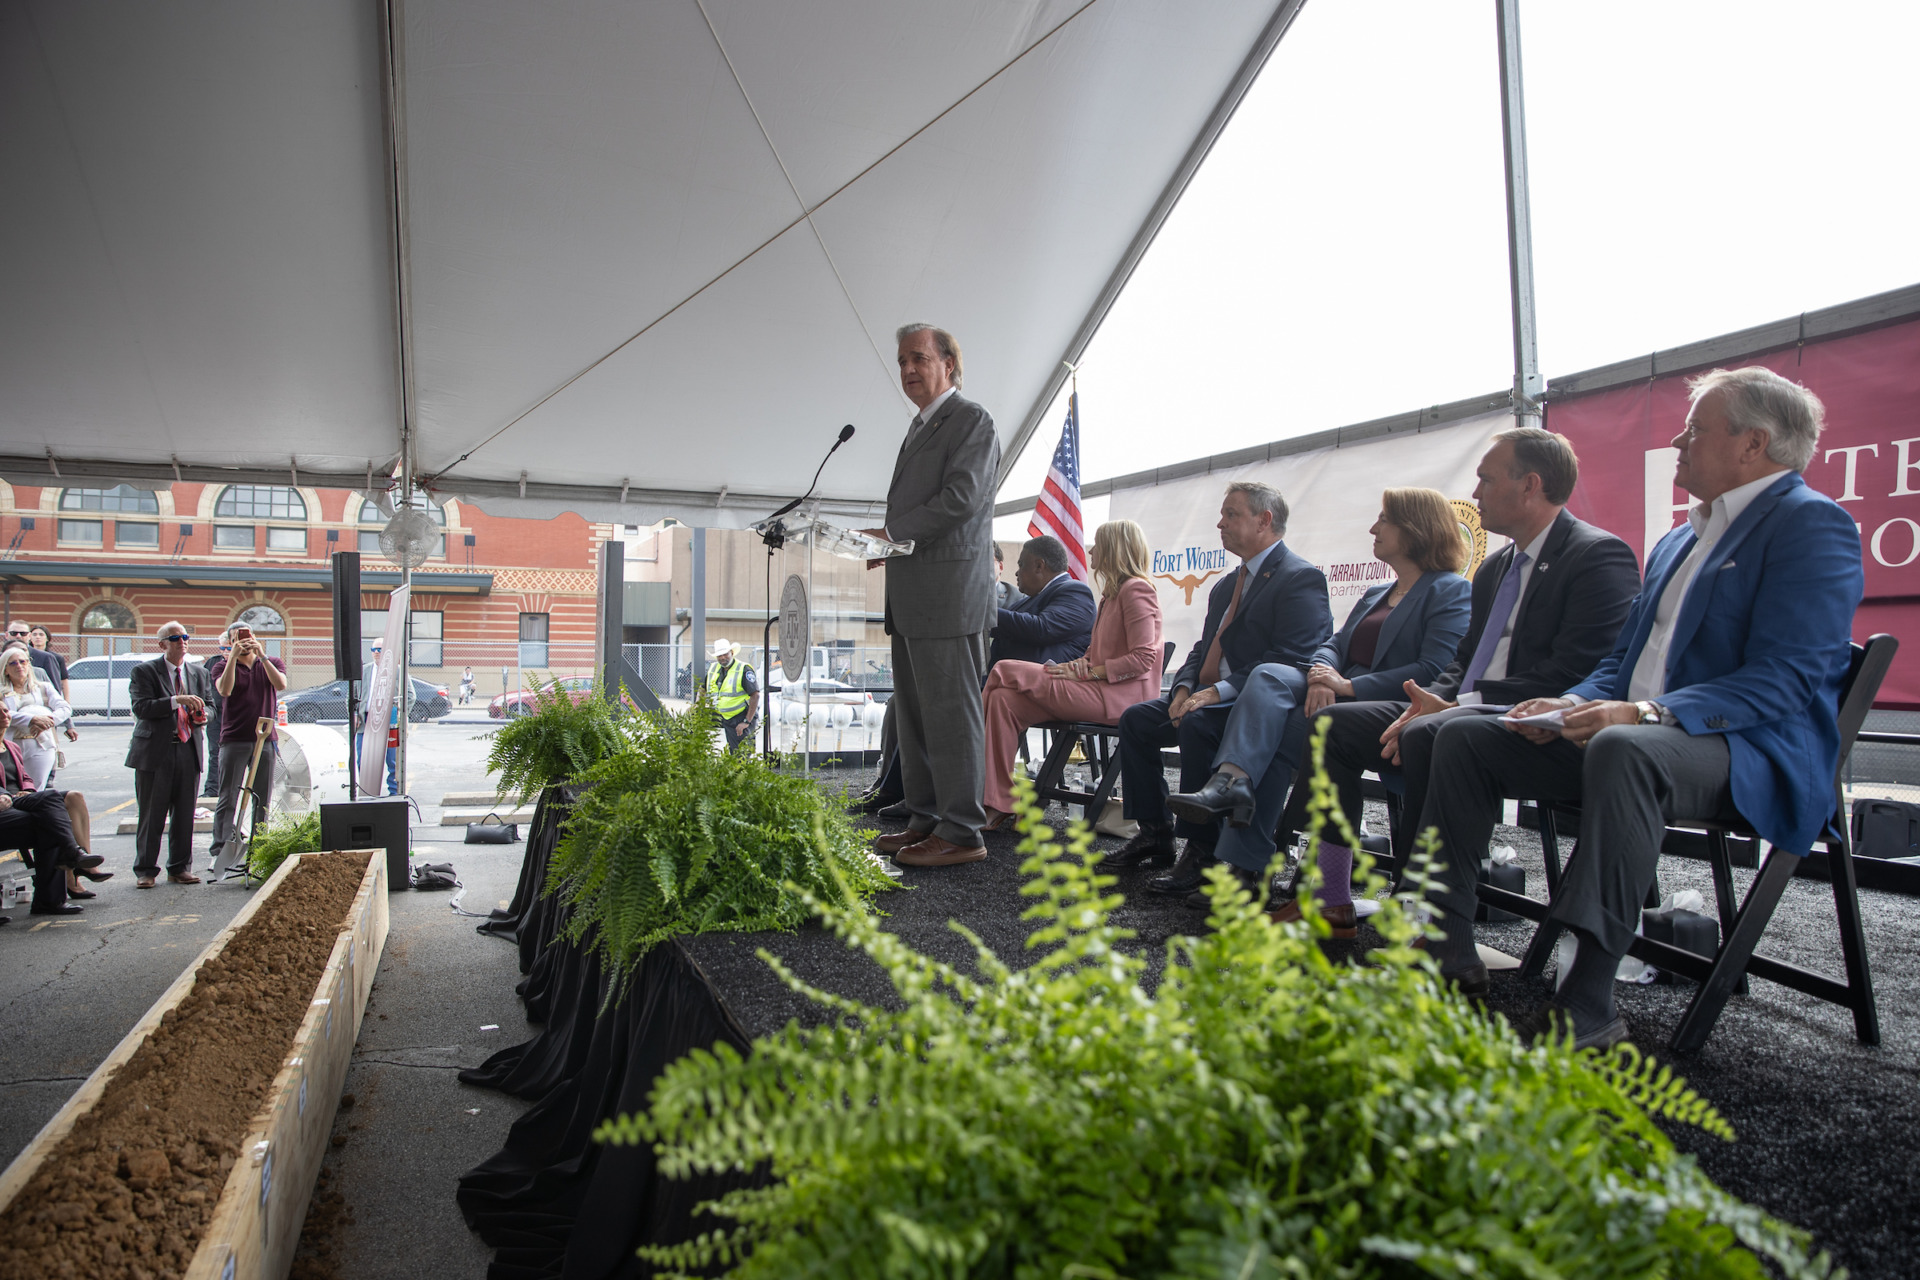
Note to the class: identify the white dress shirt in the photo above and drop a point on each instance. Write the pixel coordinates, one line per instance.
(1497, 665)
(1710, 522)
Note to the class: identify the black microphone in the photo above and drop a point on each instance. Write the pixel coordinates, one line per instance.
(846, 434)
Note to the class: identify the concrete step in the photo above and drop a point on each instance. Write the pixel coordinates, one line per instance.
(461, 817)
(469, 799)
(129, 826)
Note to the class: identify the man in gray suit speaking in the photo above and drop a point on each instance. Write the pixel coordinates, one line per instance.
(940, 604)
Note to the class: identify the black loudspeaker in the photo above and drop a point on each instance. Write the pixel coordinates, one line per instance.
(346, 615)
(370, 824)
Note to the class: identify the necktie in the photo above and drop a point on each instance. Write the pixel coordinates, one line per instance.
(183, 723)
(1210, 669)
(1503, 601)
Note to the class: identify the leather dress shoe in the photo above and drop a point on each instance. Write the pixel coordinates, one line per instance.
(1340, 916)
(1249, 880)
(144, 882)
(81, 893)
(1188, 873)
(95, 876)
(872, 802)
(936, 852)
(895, 841)
(53, 911)
(1150, 844)
(895, 812)
(1552, 1021)
(88, 861)
(1224, 796)
(186, 877)
(1467, 979)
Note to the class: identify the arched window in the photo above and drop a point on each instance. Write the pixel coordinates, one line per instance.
(269, 626)
(260, 503)
(85, 528)
(107, 626)
(370, 515)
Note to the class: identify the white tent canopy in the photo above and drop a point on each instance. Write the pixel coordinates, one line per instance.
(656, 248)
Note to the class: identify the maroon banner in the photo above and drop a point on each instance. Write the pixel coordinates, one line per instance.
(1868, 460)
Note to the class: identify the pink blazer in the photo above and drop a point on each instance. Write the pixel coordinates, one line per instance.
(1126, 640)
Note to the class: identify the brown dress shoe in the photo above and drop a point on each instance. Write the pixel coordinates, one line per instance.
(1339, 916)
(898, 840)
(184, 878)
(935, 852)
(144, 882)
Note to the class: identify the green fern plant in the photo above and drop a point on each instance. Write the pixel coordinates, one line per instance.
(1264, 1112)
(674, 835)
(557, 742)
(281, 839)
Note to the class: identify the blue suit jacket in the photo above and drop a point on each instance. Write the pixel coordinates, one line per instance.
(1055, 624)
(1284, 616)
(1759, 651)
(1417, 640)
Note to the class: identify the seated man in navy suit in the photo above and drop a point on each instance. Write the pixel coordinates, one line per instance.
(1719, 701)
(1272, 609)
(1054, 623)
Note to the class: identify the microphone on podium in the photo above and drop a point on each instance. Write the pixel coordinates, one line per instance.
(846, 434)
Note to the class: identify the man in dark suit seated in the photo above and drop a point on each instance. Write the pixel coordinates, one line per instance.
(1054, 623)
(1546, 609)
(1719, 702)
(1273, 608)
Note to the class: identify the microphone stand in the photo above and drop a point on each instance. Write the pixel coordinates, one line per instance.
(774, 533)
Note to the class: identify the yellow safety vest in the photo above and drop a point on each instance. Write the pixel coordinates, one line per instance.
(723, 688)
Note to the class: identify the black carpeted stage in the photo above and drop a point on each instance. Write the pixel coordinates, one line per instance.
(1825, 1126)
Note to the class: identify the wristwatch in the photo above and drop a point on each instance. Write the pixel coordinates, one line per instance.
(1649, 713)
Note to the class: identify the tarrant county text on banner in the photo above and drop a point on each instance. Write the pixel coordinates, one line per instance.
(1335, 498)
(1868, 460)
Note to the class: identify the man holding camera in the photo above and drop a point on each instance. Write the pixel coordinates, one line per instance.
(249, 687)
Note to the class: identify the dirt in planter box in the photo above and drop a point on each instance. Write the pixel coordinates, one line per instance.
(130, 1191)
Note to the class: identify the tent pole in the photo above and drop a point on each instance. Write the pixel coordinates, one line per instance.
(393, 91)
(1527, 385)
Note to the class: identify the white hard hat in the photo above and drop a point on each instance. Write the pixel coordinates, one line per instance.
(722, 647)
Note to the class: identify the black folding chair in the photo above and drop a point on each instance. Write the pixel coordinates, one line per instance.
(1742, 926)
(1099, 744)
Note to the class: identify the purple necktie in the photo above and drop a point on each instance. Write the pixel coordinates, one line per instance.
(1503, 601)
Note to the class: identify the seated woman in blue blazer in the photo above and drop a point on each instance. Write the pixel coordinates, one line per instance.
(1406, 629)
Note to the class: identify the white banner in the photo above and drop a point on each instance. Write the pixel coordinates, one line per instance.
(379, 694)
(1334, 495)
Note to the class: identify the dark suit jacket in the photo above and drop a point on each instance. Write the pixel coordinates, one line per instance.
(1575, 604)
(1758, 652)
(941, 499)
(1053, 625)
(1417, 639)
(1284, 617)
(151, 691)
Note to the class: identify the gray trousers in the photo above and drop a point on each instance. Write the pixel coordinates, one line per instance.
(1265, 735)
(940, 721)
(233, 771)
(1629, 782)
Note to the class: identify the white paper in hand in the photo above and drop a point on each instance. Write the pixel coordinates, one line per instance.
(1555, 719)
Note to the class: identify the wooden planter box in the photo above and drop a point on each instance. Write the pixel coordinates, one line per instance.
(257, 1220)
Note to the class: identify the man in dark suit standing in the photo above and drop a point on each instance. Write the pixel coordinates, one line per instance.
(167, 754)
(1719, 702)
(1054, 620)
(940, 604)
(1546, 609)
(1273, 608)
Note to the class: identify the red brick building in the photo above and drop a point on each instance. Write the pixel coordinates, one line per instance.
(104, 568)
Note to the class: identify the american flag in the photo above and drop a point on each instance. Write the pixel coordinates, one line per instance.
(1058, 511)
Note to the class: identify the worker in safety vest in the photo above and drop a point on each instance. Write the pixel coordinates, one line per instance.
(735, 695)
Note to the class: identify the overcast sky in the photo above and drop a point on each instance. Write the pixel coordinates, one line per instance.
(1699, 166)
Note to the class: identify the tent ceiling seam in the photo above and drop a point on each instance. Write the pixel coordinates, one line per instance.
(799, 200)
(806, 215)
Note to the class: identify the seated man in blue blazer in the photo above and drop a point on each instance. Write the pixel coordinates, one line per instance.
(1054, 623)
(1404, 629)
(1719, 701)
(1272, 609)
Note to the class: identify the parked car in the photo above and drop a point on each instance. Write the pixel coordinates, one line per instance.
(100, 684)
(329, 702)
(521, 702)
(826, 693)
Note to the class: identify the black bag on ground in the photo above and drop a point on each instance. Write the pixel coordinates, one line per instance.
(1678, 927)
(1886, 829)
(435, 875)
(1510, 876)
(495, 832)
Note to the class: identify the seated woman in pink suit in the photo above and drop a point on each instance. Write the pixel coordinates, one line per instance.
(1121, 666)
